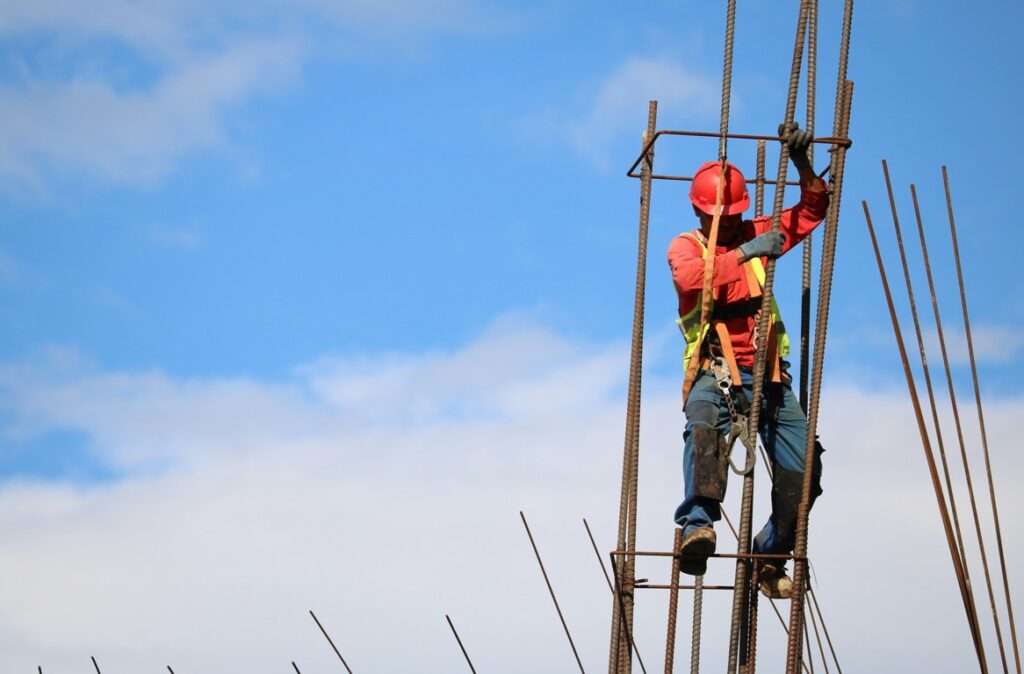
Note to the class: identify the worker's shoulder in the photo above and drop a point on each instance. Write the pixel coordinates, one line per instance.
(691, 239)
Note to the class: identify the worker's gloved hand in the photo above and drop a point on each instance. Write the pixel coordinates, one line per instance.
(798, 142)
(768, 244)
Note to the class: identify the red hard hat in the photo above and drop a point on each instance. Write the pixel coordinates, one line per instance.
(704, 189)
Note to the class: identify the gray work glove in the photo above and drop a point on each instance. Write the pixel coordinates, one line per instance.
(768, 244)
(798, 141)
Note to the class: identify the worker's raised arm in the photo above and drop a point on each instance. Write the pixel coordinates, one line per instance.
(800, 220)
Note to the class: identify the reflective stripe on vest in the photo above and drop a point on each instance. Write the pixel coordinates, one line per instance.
(689, 324)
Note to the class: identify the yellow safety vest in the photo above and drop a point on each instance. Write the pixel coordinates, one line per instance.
(689, 324)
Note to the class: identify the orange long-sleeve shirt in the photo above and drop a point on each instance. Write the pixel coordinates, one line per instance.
(686, 259)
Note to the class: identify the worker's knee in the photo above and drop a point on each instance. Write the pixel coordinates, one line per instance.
(710, 461)
(787, 490)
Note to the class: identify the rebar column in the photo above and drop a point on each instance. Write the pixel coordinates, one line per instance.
(673, 603)
(620, 655)
(740, 591)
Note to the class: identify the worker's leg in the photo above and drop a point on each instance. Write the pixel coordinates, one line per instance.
(705, 466)
(784, 434)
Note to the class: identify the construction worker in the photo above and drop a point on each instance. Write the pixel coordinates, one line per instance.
(719, 360)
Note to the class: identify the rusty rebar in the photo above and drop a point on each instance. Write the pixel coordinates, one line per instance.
(673, 602)
(740, 594)
(817, 636)
(461, 646)
(828, 249)
(922, 429)
(808, 244)
(631, 444)
(629, 634)
(551, 591)
(962, 445)
(931, 397)
(698, 610)
(607, 579)
(331, 642)
(981, 418)
(824, 628)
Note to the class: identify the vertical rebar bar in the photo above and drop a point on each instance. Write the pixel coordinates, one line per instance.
(620, 658)
(551, 591)
(698, 607)
(673, 603)
(741, 591)
(981, 419)
(828, 249)
(331, 642)
(922, 429)
(808, 244)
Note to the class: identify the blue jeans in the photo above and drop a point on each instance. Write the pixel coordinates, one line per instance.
(783, 431)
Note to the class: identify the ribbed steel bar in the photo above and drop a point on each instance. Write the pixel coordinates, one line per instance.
(962, 445)
(739, 604)
(607, 578)
(673, 603)
(828, 250)
(824, 628)
(462, 647)
(840, 124)
(931, 398)
(817, 636)
(698, 609)
(551, 591)
(95, 665)
(807, 646)
(620, 659)
(629, 635)
(808, 244)
(331, 642)
(981, 418)
(926, 444)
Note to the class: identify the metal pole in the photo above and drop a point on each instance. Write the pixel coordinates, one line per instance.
(739, 614)
(95, 665)
(673, 602)
(551, 591)
(808, 244)
(461, 647)
(331, 642)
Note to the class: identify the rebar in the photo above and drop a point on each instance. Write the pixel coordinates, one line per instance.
(619, 661)
(296, 668)
(168, 669)
(962, 445)
(95, 665)
(331, 642)
(931, 397)
(760, 359)
(808, 244)
(981, 418)
(925, 441)
(828, 249)
(629, 634)
(698, 608)
(461, 646)
(551, 591)
(673, 602)
(817, 636)
(824, 628)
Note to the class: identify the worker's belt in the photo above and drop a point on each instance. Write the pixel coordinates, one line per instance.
(742, 309)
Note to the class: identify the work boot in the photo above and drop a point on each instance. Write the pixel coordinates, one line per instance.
(774, 582)
(694, 551)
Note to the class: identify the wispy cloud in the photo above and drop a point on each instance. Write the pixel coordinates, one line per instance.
(189, 65)
(618, 105)
(364, 483)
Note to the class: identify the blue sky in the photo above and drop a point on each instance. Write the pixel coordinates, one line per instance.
(237, 233)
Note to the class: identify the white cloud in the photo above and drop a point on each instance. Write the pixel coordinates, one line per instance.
(202, 61)
(619, 105)
(992, 343)
(383, 491)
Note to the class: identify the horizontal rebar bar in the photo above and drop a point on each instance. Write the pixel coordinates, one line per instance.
(721, 555)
